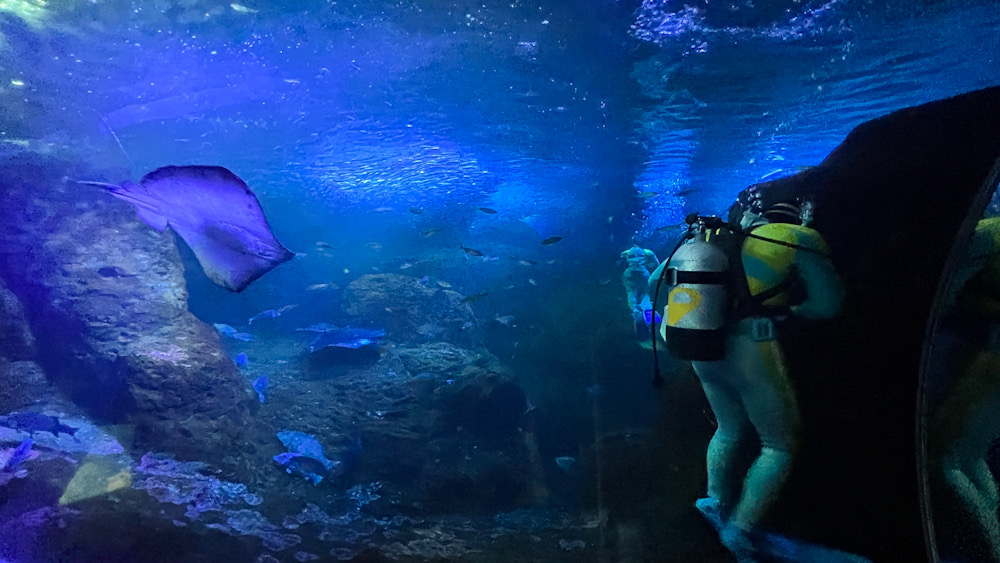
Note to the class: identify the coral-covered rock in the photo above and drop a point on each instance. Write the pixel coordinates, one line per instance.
(107, 302)
(410, 311)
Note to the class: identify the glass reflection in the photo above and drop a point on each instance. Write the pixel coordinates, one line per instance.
(962, 401)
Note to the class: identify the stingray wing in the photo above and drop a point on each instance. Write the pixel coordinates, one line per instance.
(217, 215)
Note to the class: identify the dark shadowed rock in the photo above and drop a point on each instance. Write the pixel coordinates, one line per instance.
(125, 346)
(21, 384)
(408, 310)
(16, 340)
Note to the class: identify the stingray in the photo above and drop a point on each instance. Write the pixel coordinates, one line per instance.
(215, 213)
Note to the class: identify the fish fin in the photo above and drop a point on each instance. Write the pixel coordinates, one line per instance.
(151, 218)
(146, 204)
(227, 259)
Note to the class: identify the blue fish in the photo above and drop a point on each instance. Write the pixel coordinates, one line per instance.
(268, 314)
(309, 468)
(215, 213)
(307, 445)
(260, 386)
(241, 359)
(233, 333)
(20, 454)
(346, 338)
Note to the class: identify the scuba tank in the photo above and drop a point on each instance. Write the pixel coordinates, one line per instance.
(699, 299)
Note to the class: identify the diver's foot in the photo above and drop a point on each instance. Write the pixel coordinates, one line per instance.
(709, 507)
(738, 541)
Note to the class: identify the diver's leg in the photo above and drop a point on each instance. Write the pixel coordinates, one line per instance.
(967, 479)
(723, 485)
(963, 430)
(770, 403)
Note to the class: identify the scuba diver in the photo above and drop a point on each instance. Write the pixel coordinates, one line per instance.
(729, 285)
(964, 423)
(639, 264)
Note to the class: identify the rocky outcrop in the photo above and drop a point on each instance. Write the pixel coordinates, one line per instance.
(22, 381)
(16, 341)
(410, 310)
(106, 299)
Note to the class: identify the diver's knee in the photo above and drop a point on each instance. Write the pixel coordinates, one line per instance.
(789, 444)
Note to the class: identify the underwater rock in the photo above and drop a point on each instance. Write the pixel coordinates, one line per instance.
(21, 384)
(125, 348)
(16, 340)
(443, 359)
(409, 311)
(489, 405)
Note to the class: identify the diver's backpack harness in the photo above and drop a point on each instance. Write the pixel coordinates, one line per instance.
(708, 290)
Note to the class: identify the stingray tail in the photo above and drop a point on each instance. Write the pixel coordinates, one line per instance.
(145, 202)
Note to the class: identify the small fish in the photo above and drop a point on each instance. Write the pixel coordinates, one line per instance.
(32, 422)
(18, 455)
(381, 209)
(318, 327)
(241, 9)
(646, 195)
(225, 329)
(431, 232)
(472, 251)
(316, 286)
(488, 210)
(565, 463)
(268, 314)
(532, 282)
(505, 320)
(324, 245)
(444, 284)
(284, 308)
(551, 240)
(416, 211)
(527, 262)
(406, 266)
(474, 297)
(114, 272)
(684, 193)
(347, 337)
(305, 444)
(241, 359)
(231, 332)
(260, 386)
(310, 469)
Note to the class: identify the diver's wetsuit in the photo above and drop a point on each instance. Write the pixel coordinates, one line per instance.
(639, 264)
(750, 386)
(965, 423)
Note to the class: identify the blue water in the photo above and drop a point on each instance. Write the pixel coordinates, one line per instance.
(364, 126)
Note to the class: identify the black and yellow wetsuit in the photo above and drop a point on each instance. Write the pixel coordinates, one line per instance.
(749, 387)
